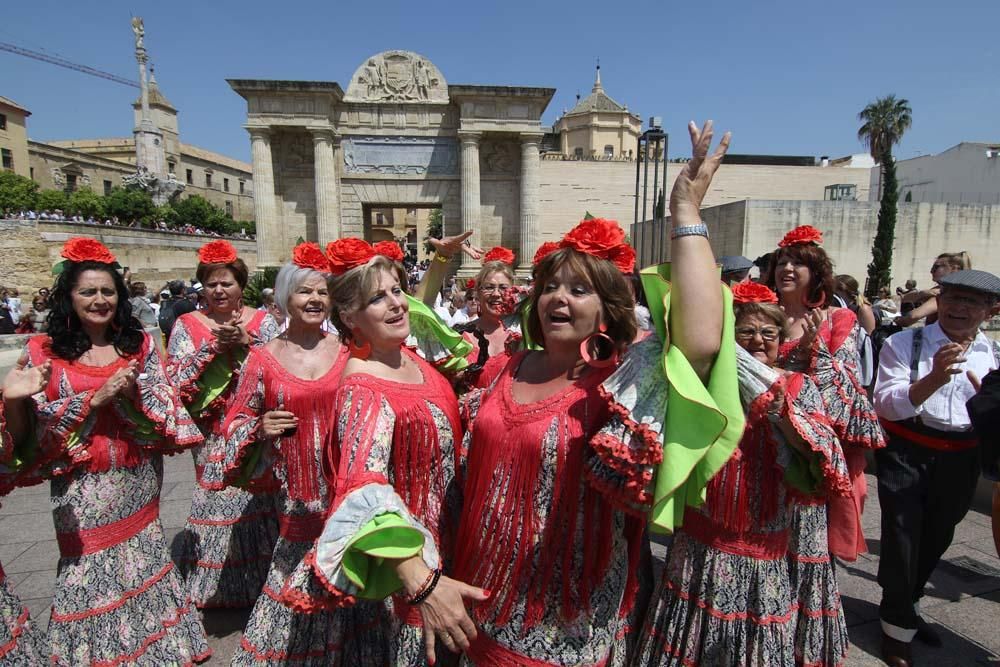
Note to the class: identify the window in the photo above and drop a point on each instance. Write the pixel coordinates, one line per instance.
(243, 185)
(31, 173)
(190, 177)
(8, 158)
(379, 219)
(3, 121)
(840, 192)
(70, 183)
(229, 208)
(578, 152)
(225, 184)
(208, 179)
(171, 167)
(107, 188)
(609, 151)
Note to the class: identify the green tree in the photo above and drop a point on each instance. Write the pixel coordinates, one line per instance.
(258, 281)
(883, 123)
(52, 200)
(128, 205)
(435, 229)
(17, 193)
(87, 203)
(199, 212)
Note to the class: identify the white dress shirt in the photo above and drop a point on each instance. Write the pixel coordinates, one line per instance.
(945, 408)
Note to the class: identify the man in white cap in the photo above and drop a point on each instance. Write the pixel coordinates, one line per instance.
(927, 474)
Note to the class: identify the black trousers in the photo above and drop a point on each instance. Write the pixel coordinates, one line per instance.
(924, 493)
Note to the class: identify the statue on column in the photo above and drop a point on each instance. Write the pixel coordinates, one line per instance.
(139, 31)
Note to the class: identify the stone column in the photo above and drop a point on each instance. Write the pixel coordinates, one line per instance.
(470, 195)
(327, 187)
(530, 185)
(269, 237)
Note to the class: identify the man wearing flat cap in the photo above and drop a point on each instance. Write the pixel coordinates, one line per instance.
(735, 268)
(927, 474)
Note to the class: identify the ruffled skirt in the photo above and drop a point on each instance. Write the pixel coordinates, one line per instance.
(821, 638)
(718, 608)
(228, 541)
(21, 643)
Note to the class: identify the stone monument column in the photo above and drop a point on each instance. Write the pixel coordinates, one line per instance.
(530, 184)
(269, 237)
(470, 195)
(327, 187)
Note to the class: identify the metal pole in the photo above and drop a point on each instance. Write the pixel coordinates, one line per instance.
(656, 187)
(645, 187)
(663, 236)
(635, 217)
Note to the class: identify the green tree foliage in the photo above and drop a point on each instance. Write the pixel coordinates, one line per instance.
(257, 283)
(87, 203)
(435, 229)
(884, 122)
(199, 212)
(52, 200)
(128, 205)
(17, 193)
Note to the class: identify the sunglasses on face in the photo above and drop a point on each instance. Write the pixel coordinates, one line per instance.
(766, 333)
(937, 267)
(962, 300)
(490, 289)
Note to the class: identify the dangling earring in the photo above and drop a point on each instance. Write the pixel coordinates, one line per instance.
(598, 339)
(815, 304)
(359, 351)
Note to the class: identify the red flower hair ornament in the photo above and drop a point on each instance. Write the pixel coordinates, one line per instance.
(604, 239)
(470, 284)
(544, 251)
(348, 253)
(82, 249)
(801, 236)
(748, 292)
(310, 256)
(389, 249)
(217, 252)
(499, 254)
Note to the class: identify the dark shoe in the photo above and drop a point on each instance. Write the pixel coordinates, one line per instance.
(896, 653)
(927, 634)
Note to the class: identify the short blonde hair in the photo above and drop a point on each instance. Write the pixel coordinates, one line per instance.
(350, 290)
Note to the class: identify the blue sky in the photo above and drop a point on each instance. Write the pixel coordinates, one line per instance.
(786, 76)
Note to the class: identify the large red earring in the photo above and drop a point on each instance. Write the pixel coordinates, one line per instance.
(597, 339)
(359, 351)
(815, 304)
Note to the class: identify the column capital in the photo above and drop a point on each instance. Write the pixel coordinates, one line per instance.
(531, 137)
(258, 131)
(469, 136)
(322, 134)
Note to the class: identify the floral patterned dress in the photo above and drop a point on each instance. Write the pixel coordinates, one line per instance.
(21, 642)
(726, 597)
(291, 467)
(117, 597)
(393, 461)
(230, 534)
(555, 495)
(824, 526)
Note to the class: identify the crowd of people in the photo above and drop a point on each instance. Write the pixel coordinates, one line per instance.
(469, 473)
(58, 215)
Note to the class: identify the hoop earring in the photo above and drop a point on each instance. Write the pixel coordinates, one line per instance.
(815, 304)
(595, 338)
(361, 352)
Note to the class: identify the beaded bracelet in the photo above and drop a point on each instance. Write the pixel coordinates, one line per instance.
(690, 230)
(426, 588)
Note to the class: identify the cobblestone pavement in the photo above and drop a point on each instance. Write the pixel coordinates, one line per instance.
(963, 597)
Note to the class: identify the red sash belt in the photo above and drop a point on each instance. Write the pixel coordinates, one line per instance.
(766, 546)
(945, 441)
(89, 541)
(300, 527)
(484, 651)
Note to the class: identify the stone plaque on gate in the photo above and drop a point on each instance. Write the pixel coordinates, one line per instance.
(400, 155)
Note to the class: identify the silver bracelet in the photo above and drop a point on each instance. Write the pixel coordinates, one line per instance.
(689, 230)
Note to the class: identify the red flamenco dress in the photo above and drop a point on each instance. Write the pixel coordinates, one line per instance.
(117, 597)
(291, 468)
(555, 497)
(726, 597)
(393, 461)
(822, 527)
(21, 642)
(230, 535)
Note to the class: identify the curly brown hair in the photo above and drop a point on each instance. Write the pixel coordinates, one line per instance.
(604, 277)
(823, 284)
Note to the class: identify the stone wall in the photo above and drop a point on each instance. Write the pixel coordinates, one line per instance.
(30, 249)
(607, 189)
(923, 231)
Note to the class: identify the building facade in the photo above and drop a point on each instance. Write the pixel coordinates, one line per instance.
(14, 137)
(968, 173)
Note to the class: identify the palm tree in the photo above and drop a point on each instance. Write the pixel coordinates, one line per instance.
(884, 122)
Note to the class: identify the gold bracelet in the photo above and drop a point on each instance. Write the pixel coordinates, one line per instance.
(441, 258)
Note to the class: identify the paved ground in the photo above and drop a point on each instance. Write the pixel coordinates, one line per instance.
(964, 595)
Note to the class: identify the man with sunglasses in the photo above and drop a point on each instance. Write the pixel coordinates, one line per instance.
(927, 474)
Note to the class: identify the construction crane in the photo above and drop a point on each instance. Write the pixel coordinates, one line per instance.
(62, 62)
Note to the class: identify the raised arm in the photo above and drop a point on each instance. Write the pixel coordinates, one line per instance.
(444, 250)
(696, 308)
